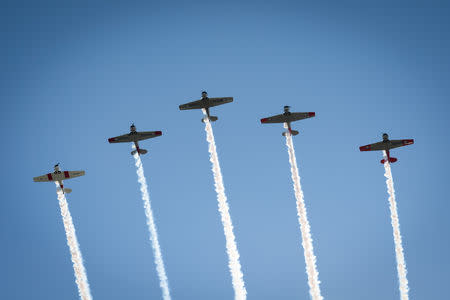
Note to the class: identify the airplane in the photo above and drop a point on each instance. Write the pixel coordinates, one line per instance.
(205, 102)
(59, 176)
(386, 145)
(288, 117)
(135, 136)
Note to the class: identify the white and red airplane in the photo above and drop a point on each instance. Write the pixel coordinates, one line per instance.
(287, 117)
(135, 136)
(205, 103)
(386, 145)
(59, 176)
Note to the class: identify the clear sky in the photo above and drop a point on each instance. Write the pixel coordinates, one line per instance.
(74, 74)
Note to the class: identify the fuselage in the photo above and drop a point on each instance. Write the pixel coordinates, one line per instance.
(206, 104)
(287, 114)
(58, 175)
(134, 136)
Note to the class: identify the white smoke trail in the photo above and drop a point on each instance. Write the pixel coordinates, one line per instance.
(163, 281)
(72, 242)
(310, 259)
(401, 265)
(234, 265)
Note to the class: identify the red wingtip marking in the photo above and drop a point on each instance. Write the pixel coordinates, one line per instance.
(264, 120)
(408, 142)
(158, 132)
(364, 148)
(49, 176)
(312, 114)
(66, 174)
(111, 140)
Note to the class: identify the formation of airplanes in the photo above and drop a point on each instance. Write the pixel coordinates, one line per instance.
(206, 103)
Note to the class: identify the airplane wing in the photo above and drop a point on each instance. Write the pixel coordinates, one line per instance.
(301, 115)
(275, 119)
(401, 143)
(220, 101)
(44, 178)
(192, 105)
(73, 174)
(58, 176)
(125, 138)
(374, 147)
(288, 118)
(386, 146)
(143, 135)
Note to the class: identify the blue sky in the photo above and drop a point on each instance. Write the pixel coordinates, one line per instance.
(75, 74)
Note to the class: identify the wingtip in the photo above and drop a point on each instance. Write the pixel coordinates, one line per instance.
(364, 148)
(312, 114)
(263, 120)
(111, 140)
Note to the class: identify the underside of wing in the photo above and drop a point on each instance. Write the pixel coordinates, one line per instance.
(401, 143)
(44, 178)
(73, 174)
(121, 139)
(373, 147)
(192, 105)
(295, 116)
(275, 119)
(220, 101)
(148, 134)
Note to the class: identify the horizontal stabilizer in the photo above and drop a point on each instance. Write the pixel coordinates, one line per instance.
(64, 190)
(211, 119)
(293, 132)
(141, 151)
(391, 160)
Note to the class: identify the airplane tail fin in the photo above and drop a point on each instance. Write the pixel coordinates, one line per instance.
(141, 151)
(211, 119)
(391, 160)
(293, 132)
